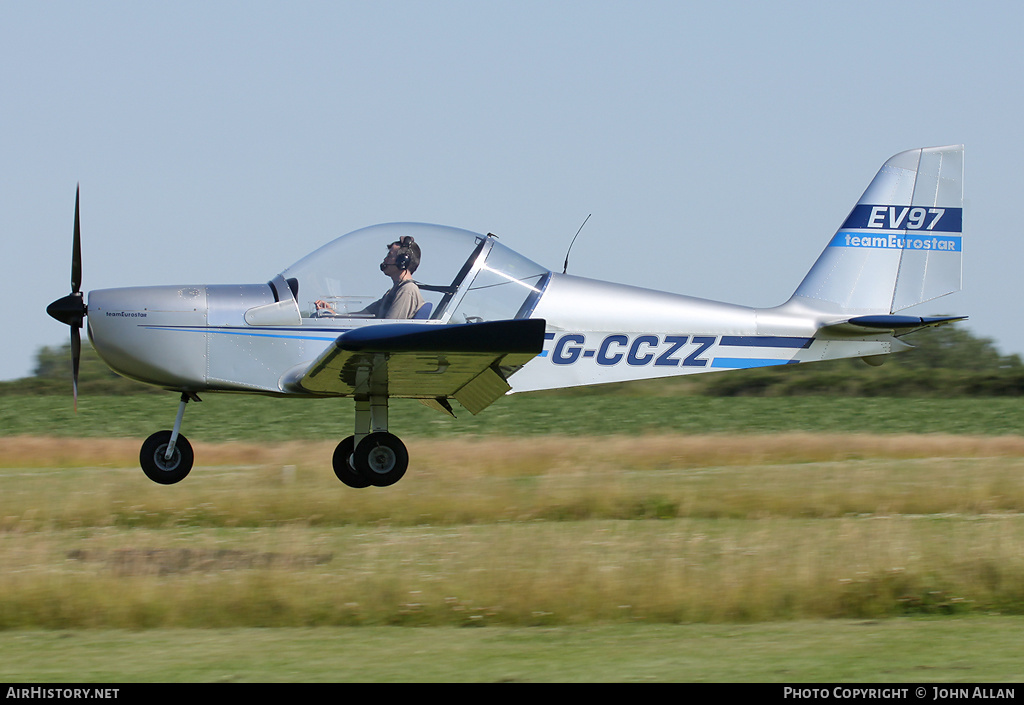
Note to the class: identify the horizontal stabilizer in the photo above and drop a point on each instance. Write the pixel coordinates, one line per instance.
(898, 325)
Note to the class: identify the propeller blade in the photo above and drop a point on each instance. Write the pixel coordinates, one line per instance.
(71, 309)
(76, 356)
(76, 251)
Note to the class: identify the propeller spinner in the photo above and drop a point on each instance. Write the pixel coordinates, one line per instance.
(71, 309)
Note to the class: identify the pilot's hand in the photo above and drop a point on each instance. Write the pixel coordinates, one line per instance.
(322, 307)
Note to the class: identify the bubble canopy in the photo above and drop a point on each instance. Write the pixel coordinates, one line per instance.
(465, 277)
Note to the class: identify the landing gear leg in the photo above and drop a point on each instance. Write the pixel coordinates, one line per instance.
(374, 456)
(166, 456)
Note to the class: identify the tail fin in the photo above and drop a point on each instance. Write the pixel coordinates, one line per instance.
(901, 245)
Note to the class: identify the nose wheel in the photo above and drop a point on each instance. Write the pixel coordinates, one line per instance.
(166, 456)
(158, 466)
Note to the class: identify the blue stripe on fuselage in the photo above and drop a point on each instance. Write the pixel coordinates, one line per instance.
(746, 363)
(766, 341)
(285, 333)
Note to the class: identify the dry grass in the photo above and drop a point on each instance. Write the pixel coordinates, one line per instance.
(530, 454)
(515, 573)
(482, 481)
(525, 531)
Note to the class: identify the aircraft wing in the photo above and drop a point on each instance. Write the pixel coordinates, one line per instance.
(469, 362)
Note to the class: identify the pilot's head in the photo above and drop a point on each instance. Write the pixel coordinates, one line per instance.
(403, 255)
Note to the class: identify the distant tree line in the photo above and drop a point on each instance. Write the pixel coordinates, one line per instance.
(947, 361)
(52, 375)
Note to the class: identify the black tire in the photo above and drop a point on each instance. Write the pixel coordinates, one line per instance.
(343, 467)
(160, 470)
(381, 458)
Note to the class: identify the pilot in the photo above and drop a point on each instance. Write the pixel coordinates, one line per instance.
(403, 300)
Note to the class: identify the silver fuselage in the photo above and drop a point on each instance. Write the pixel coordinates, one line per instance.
(197, 338)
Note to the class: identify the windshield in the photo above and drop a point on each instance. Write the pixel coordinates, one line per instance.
(505, 285)
(462, 276)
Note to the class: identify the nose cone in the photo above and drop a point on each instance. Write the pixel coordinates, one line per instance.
(68, 309)
(155, 335)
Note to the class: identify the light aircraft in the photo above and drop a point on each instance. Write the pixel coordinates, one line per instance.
(493, 322)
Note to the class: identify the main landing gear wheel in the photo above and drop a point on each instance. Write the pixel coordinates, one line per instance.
(343, 464)
(381, 458)
(161, 469)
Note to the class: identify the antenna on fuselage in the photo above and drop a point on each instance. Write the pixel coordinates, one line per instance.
(565, 266)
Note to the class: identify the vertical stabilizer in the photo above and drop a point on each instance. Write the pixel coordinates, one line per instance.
(901, 245)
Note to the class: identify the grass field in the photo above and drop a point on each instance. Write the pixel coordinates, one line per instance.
(226, 417)
(952, 650)
(799, 553)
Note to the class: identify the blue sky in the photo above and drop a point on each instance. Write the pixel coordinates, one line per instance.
(718, 146)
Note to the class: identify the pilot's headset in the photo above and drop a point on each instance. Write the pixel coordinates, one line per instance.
(408, 257)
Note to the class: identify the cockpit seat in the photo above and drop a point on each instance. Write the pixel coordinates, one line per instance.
(424, 312)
